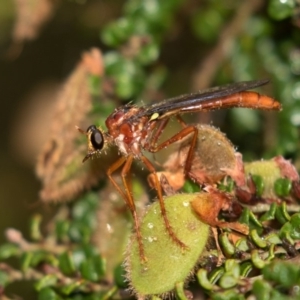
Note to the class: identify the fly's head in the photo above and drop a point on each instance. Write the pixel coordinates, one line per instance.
(96, 141)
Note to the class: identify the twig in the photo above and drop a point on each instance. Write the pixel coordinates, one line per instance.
(207, 69)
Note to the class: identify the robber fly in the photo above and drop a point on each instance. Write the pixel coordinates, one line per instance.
(135, 129)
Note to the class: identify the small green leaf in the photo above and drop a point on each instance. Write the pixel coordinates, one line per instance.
(26, 259)
(46, 281)
(254, 221)
(270, 214)
(88, 271)
(257, 239)
(216, 274)
(72, 287)
(232, 266)
(179, 289)
(100, 266)
(148, 53)
(295, 226)
(259, 184)
(190, 187)
(227, 247)
(258, 262)
(4, 279)
(282, 187)
(242, 245)
(231, 276)
(246, 268)
(119, 276)
(245, 216)
(42, 256)
(203, 280)
(228, 281)
(8, 250)
(62, 229)
(282, 214)
(128, 75)
(284, 273)
(48, 294)
(262, 290)
(35, 224)
(273, 238)
(66, 263)
(95, 85)
(79, 231)
(117, 32)
(280, 10)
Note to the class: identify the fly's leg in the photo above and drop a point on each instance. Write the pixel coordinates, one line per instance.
(112, 169)
(187, 130)
(127, 161)
(180, 121)
(152, 147)
(159, 130)
(157, 185)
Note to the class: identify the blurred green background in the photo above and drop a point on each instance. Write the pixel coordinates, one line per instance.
(189, 45)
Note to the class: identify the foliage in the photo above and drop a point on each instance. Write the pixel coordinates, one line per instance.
(79, 253)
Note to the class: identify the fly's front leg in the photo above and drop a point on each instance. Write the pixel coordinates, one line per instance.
(159, 129)
(112, 169)
(180, 121)
(127, 161)
(169, 229)
(177, 137)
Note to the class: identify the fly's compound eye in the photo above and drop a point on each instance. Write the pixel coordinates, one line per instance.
(96, 137)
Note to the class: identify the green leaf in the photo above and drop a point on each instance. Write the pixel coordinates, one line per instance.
(279, 9)
(66, 263)
(46, 281)
(167, 263)
(8, 250)
(48, 294)
(284, 273)
(262, 290)
(88, 270)
(119, 276)
(4, 279)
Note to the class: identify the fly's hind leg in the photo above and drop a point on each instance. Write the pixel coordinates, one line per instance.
(168, 226)
(187, 130)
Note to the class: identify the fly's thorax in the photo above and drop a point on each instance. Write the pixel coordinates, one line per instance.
(120, 116)
(128, 133)
(130, 138)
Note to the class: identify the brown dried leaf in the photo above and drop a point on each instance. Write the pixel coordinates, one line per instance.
(208, 206)
(31, 15)
(60, 164)
(169, 181)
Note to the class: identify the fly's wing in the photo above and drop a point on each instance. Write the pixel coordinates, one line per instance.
(174, 105)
